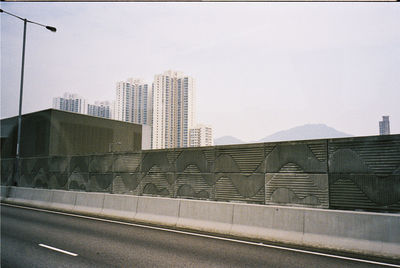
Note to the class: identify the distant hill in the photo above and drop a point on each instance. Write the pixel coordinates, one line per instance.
(306, 132)
(225, 140)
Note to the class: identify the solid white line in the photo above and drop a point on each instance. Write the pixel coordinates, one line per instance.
(59, 250)
(211, 236)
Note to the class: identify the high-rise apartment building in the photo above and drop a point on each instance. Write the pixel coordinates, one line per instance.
(201, 135)
(384, 126)
(100, 109)
(70, 102)
(133, 102)
(173, 109)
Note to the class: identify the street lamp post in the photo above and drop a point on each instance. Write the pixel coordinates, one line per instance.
(50, 28)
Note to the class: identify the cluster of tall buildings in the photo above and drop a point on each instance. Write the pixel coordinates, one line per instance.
(166, 107)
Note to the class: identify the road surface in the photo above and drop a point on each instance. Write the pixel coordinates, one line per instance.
(35, 238)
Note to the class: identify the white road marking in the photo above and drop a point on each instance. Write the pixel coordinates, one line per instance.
(212, 237)
(59, 250)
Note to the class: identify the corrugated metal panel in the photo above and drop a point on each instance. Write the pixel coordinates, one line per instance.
(346, 194)
(158, 179)
(173, 155)
(381, 156)
(225, 190)
(364, 191)
(319, 150)
(100, 182)
(301, 189)
(368, 170)
(127, 163)
(291, 168)
(7, 171)
(58, 164)
(210, 155)
(268, 147)
(118, 186)
(196, 185)
(248, 158)
(101, 163)
(79, 164)
(126, 183)
(78, 180)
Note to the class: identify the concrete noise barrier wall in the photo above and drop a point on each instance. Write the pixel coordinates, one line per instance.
(368, 233)
(347, 173)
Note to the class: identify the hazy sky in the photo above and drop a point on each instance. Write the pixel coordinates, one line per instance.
(259, 67)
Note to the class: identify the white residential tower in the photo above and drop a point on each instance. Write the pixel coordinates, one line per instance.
(133, 102)
(201, 135)
(173, 109)
(70, 102)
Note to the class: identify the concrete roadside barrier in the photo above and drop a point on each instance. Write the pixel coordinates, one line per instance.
(271, 223)
(63, 200)
(120, 206)
(157, 210)
(4, 192)
(207, 216)
(361, 232)
(41, 198)
(89, 203)
(20, 195)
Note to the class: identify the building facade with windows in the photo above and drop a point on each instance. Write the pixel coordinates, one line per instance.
(70, 102)
(173, 109)
(384, 126)
(100, 109)
(133, 102)
(201, 135)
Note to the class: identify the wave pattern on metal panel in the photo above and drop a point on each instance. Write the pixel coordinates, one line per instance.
(294, 152)
(58, 172)
(319, 149)
(297, 189)
(127, 163)
(101, 163)
(191, 184)
(125, 183)
(380, 154)
(155, 183)
(7, 171)
(172, 155)
(226, 190)
(248, 159)
(364, 191)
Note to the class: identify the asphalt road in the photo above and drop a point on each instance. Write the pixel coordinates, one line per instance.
(26, 236)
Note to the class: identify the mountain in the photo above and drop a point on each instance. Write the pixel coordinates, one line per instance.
(306, 132)
(225, 140)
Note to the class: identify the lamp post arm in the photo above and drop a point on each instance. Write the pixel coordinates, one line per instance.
(2, 11)
(51, 28)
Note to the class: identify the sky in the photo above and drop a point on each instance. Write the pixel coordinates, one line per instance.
(259, 67)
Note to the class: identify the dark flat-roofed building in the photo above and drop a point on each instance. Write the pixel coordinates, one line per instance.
(55, 132)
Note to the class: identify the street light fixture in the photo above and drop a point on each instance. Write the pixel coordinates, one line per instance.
(50, 28)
